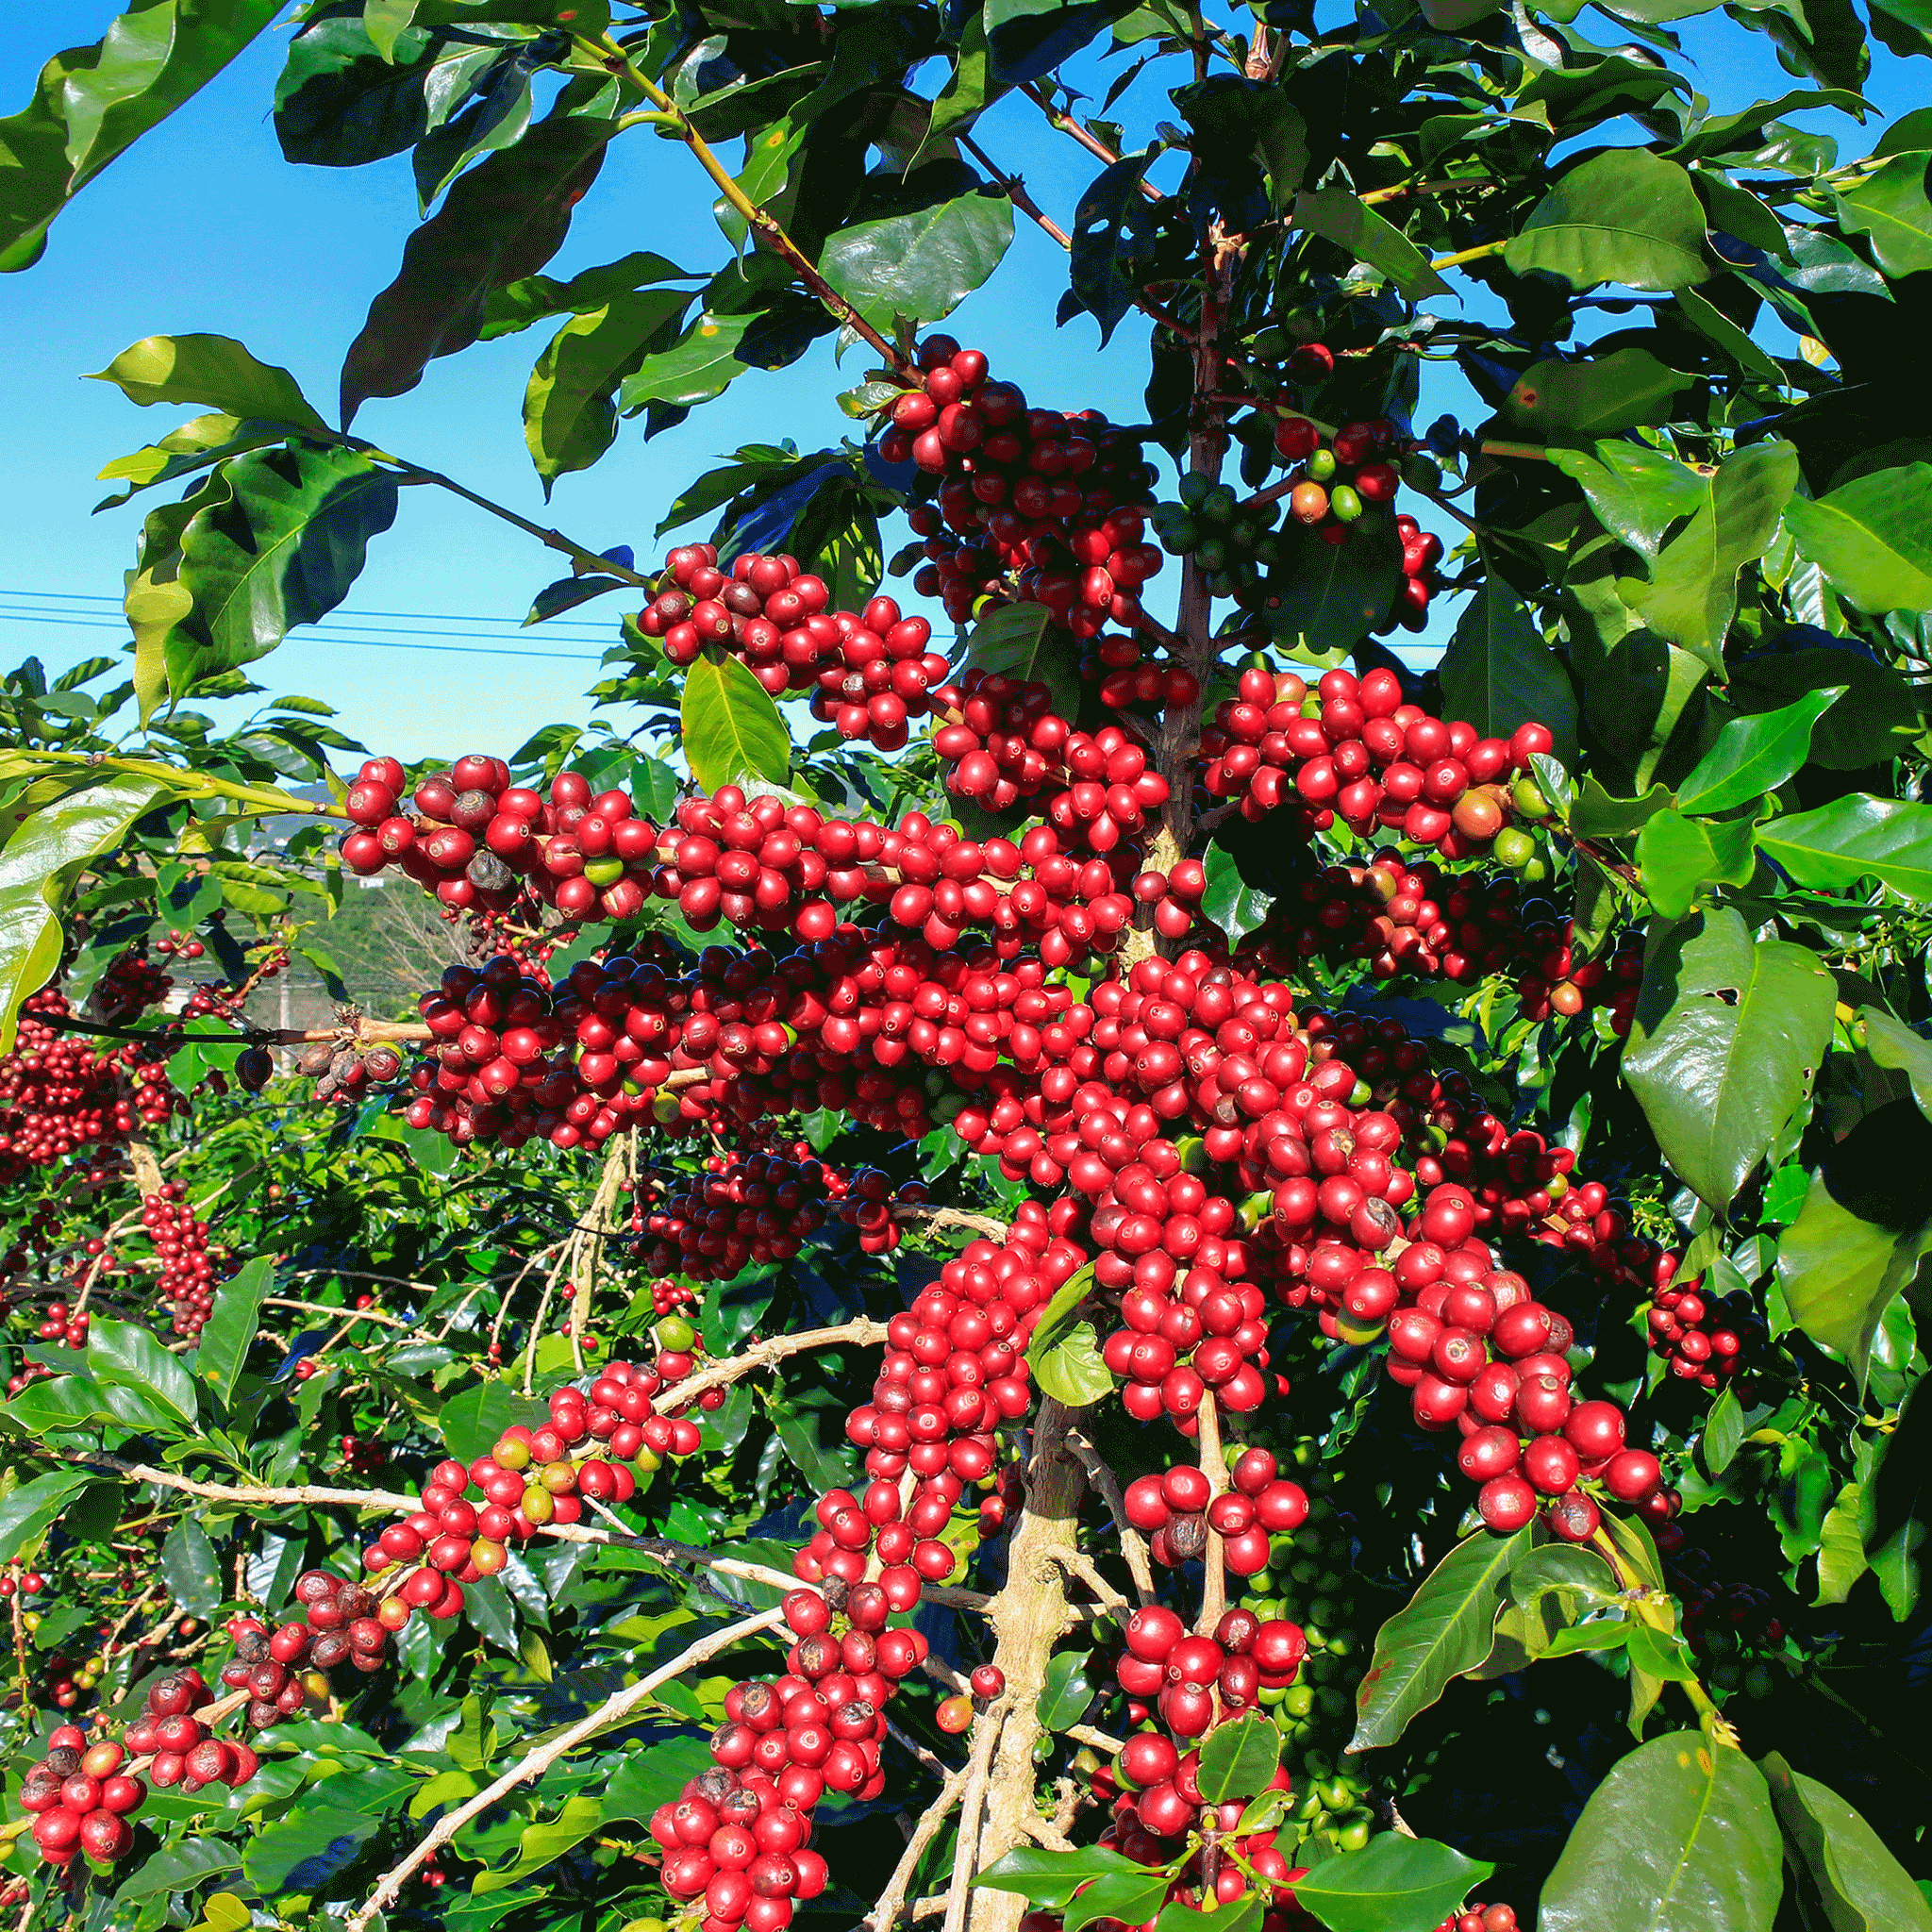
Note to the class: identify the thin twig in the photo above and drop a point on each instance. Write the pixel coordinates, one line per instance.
(978, 1774)
(1133, 1544)
(613, 1710)
(892, 1899)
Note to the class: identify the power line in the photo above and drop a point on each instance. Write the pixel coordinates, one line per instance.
(414, 616)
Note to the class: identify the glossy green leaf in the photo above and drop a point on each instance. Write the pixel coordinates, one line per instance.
(1448, 1627)
(1597, 815)
(1397, 1884)
(1626, 216)
(91, 104)
(1841, 1558)
(1536, 1572)
(1724, 1431)
(27, 1512)
(1239, 1759)
(1679, 1838)
(1876, 719)
(701, 365)
(1636, 493)
(1680, 856)
(213, 371)
(570, 406)
(1873, 537)
(1857, 836)
(177, 1868)
(1049, 1879)
(1891, 207)
(535, 298)
(1840, 1271)
(1072, 1371)
(1861, 1886)
(969, 89)
(1067, 1691)
(279, 544)
(500, 223)
(190, 1570)
(1498, 673)
(1029, 39)
(922, 260)
(1578, 402)
(1895, 1505)
(545, 1842)
(1323, 598)
(225, 1339)
(1893, 1045)
(1755, 754)
(1339, 216)
(124, 1353)
(39, 866)
(1015, 640)
(1235, 906)
(732, 729)
(1728, 1035)
(1111, 243)
(1692, 589)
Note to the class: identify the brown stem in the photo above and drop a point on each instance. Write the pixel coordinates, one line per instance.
(862, 1333)
(1214, 1577)
(1092, 143)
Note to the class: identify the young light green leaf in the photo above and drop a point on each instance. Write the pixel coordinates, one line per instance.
(1239, 1759)
(732, 729)
(1679, 857)
(215, 372)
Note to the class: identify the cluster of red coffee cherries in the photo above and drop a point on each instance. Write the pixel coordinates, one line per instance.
(190, 1270)
(283, 1672)
(869, 671)
(1702, 1338)
(1356, 750)
(476, 839)
(80, 1797)
(58, 1095)
(1055, 501)
(1177, 1509)
(761, 1208)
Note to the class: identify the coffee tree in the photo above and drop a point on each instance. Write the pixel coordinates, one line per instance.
(1067, 1250)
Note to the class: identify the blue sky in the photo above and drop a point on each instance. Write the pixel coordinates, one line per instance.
(203, 226)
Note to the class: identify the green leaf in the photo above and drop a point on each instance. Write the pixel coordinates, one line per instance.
(1718, 329)
(701, 365)
(538, 297)
(1755, 754)
(1448, 1629)
(1339, 216)
(934, 240)
(1679, 1838)
(231, 1325)
(1050, 1878)
(545, 1843)
(1029, 39)
(1636, 493)
(1396, 1885)
(732, 730)
(1895, 1510)
(91, 104)
(354, 90)
(278, 545)
(1067, 1691)
(1571, 402)
(1873, 537)
(178, 1867)
(39, 867)
(652, 1777)
(1692, 589)
(301, 1851)
(1862, 1887)
(968, 92)
(500, 223)
(1072, 1371)
(1241, 125)
(1891, 207)
(1057, 1318)
(1894, 1045)
(26, 1513)
(1498, 673)
(1877, 718)
(473, 1422)
(1841, 1558)
(214, 371)
(570, 408)
(1017, 641)
(1239, 1759)
(1112, 242)
(1131, 1901)
(1560, 1566)
(126, 1353)
(1626, 216)
(1724, 1431)
(1323, 598)
(1679, 857)
(1597, 815)
(190, 1570)
(1728, 1034)
(1235, 906)
(1838, 1272)
(1857, 836)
